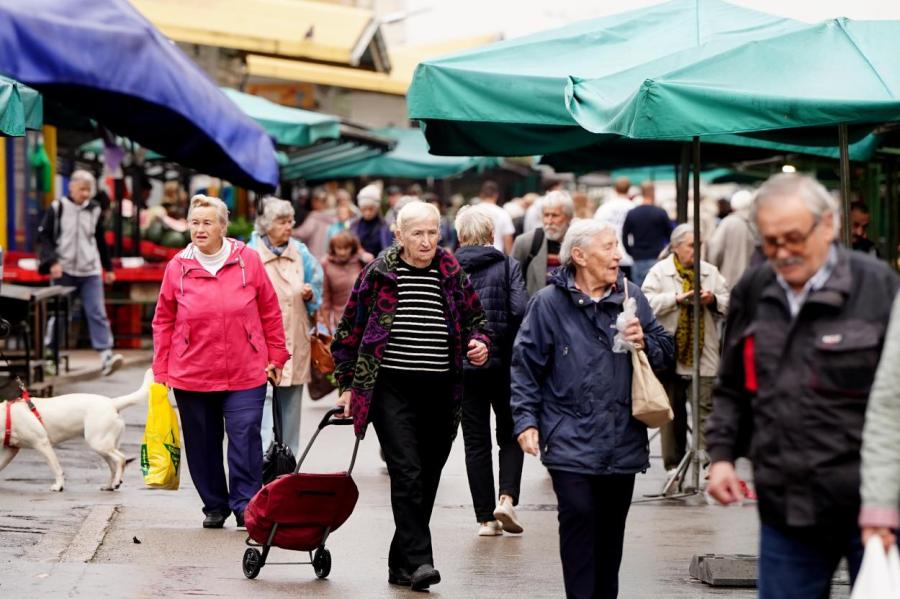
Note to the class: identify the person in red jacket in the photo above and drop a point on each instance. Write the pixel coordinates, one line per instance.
(217, 337)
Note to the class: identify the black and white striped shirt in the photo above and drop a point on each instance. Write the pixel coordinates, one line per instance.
(419, 338)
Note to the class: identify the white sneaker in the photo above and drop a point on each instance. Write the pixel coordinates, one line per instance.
(490, 529)
(112, 363)
(507, 517)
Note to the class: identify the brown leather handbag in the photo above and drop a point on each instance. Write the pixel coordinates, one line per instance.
(320, 350)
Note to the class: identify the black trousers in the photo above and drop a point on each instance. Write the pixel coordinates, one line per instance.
(413, 417)
(486, 389)
(592, 513)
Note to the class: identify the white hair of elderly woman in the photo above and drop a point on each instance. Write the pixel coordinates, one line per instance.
(202, 201)
(474, 226)
(416, 211)
(273, 209)
(83, 176)
(579, 235)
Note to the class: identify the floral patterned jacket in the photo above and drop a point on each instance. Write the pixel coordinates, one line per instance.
(362, 335)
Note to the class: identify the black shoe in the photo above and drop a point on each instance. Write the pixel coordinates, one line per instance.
(239, 520)
(398, 576)
(424, 576)
(214, 520)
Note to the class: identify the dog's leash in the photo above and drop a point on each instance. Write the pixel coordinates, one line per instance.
(26, 397)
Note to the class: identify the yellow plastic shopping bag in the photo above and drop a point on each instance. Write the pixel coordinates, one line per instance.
(161, 447)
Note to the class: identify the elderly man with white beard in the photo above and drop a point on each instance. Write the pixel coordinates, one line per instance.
(538, 250)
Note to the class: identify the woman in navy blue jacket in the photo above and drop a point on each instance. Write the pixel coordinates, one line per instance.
(571, 402)
(498, 281)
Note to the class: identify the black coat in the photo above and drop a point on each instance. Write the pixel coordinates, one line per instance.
(497, 279)
(797, 388)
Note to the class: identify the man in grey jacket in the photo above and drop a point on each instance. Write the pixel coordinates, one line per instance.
(73, 251)
(538, 250)
(804, 336)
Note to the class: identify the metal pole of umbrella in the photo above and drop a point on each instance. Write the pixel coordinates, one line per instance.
(695, 374)
(844, 142)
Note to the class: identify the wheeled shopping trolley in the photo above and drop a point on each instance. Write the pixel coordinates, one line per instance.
(299, 511)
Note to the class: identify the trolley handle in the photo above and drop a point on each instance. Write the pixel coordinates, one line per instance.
(328, 419)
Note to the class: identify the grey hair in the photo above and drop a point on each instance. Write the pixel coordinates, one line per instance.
(82, 176)
(474, 226)
(561, 199)
(416, 210)
(679, 233)
(202, 201)
(785, 185)
(273, 209)
(580, 234)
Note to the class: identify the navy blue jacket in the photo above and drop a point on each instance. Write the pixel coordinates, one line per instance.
(487, 268)
(567, 382)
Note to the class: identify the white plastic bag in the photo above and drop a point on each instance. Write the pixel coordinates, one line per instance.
(629, 312)
(879, 574)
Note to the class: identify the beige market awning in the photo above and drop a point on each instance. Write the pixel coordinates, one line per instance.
(403, 61)
(301, 29)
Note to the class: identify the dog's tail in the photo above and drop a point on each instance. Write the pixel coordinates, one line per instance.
(140, 395)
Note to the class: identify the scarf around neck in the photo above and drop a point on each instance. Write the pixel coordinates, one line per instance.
(684, 333)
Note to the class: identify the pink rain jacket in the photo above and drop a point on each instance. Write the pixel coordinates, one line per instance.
(217, 333)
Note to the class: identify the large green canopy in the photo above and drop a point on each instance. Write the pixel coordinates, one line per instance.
(834, 72)
(21, 108)
(409, 160)
(507, 98)
(287, 126)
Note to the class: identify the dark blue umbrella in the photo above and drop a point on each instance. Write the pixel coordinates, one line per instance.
(105, 60)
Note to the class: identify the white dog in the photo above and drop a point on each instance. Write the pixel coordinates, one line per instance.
(65, 417)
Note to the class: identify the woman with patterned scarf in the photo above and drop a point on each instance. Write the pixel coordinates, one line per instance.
(670, 288)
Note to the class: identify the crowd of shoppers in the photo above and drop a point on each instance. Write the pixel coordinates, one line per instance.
(791, 333)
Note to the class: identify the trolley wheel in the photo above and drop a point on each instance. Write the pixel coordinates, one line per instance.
(252, 563)
(322, 562)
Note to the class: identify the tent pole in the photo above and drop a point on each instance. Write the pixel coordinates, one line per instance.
(684, 173)
(695, 375)
(843, 140)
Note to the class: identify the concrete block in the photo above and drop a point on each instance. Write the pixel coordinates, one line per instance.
(736, 571)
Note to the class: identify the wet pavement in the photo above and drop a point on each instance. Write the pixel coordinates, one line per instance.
(137, 542)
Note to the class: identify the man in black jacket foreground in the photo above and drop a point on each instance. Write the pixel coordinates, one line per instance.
(804, 336)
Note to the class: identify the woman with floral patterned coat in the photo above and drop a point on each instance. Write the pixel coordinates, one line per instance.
(412, 319)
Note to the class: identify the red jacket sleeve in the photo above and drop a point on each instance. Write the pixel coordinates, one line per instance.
(164, 321)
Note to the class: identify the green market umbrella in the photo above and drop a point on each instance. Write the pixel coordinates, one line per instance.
(287, 126)
(837, 72)
(21, 108)
(507, 99)
(409, 159)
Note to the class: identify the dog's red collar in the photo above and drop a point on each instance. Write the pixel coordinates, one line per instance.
(27, 399)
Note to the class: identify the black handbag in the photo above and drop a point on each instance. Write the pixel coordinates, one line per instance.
(279, 459)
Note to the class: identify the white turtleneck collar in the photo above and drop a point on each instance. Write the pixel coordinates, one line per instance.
(212, 263)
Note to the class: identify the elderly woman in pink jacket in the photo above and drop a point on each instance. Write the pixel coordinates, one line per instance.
(217, 337)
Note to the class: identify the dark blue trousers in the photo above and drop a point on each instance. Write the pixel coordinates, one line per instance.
(592, 513)
(799, 563)
(205, 418)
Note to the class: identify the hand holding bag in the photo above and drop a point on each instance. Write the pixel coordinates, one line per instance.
(879, 574)
(649, 400)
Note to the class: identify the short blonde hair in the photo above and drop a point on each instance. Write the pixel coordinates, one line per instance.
(415, 211)
(474, 226)
(202, 201)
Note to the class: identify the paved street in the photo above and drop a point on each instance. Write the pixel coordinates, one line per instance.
(84, 542)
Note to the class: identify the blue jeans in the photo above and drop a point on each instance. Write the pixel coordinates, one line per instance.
(289, 399)
(640, 269)
(90, 290)
(798, 563)
(205, 418)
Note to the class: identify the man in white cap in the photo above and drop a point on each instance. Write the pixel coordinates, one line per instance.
(733, 245)
(370, 228)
